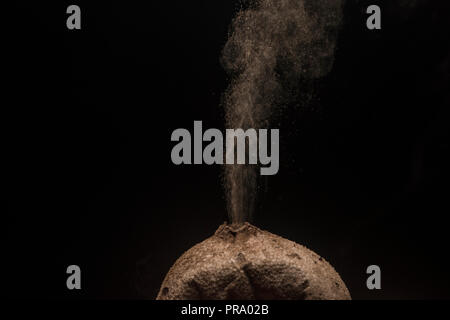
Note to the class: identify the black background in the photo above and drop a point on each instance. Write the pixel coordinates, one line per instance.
(87, 119)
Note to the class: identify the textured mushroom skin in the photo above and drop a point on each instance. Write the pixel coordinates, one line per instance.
(245, 263)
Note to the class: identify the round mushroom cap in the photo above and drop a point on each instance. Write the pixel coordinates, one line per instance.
(242, 262)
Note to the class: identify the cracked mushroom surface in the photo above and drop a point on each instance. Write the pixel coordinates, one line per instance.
(243, 262)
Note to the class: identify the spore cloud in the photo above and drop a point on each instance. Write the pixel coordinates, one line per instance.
(272, 46)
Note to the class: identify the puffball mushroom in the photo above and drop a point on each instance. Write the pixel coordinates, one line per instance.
(242, 262)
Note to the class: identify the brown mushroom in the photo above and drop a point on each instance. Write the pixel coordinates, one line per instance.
(242, 262)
